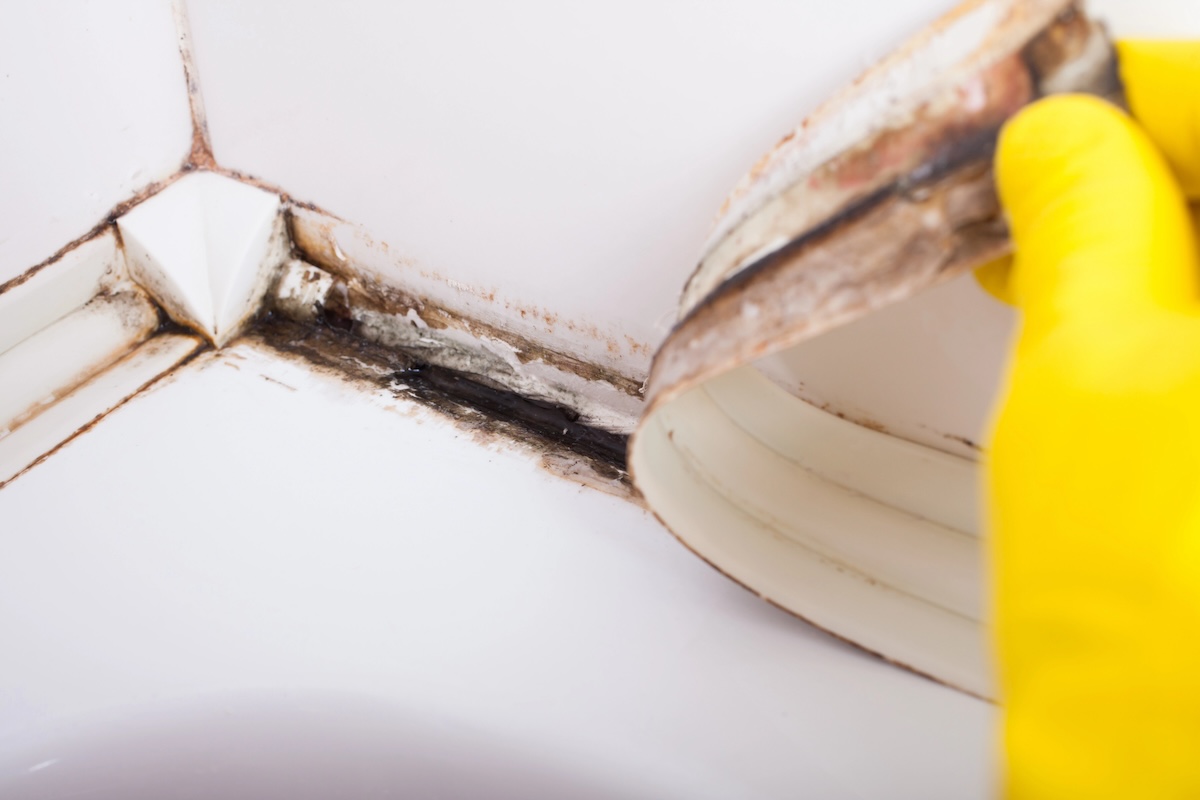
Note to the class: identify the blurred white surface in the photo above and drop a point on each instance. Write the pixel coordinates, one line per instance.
(253, 582)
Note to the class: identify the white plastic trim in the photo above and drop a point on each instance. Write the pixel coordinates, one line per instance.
(921, 480)
(47, 365)
(59, 422)
(206, 248)
(59, 288)
(854, 530)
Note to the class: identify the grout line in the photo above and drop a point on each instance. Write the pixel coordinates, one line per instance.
(106, 222)
(201, 154)
(199, 157)
(288, 200)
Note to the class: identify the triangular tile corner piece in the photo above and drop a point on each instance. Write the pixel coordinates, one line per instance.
(204, 247)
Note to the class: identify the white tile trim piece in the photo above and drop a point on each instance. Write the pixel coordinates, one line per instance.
(206, 247)
(52, 362)
(59, 288)
(46, 432)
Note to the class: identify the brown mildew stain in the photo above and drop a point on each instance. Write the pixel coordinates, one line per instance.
(636, 347)
(286, 199)
(992, 84)
(314, 241)
(269, 379)
(353, 290)
(963, 440)
(150, 384)
(572, 450)
(1007, 86)
(1045, 54)
(869, 424)
(200, 154)
(1067, 41)
(874, 251)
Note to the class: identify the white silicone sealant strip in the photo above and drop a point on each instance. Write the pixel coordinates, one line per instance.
(60, 422)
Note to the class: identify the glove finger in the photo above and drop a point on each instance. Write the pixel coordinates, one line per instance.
(994, 276)
(1162, 86)
(1099, 224)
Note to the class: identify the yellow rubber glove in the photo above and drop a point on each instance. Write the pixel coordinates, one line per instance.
(1093, 473)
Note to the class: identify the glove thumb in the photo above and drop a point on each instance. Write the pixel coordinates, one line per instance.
(1100, 227)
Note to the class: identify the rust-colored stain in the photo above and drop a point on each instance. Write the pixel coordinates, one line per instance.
(1003, 89)
(1070, 18)
(891, 236)
(200, 154)
(963, 440)
(315, 241)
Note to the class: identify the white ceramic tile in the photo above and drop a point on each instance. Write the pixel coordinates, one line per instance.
(59, 288)
(561, 160)
(205, 248)
(94, 108)
(365, 582)
(87, 403)
(44, 367)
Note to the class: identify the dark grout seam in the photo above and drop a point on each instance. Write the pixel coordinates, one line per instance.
(452, 392)
(464, 397)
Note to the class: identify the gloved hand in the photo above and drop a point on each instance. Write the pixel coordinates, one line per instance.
(1093, 468)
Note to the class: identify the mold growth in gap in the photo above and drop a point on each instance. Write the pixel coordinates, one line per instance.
(554, 431)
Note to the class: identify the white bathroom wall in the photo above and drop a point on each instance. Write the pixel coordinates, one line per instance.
(93, 107)
(555, 164)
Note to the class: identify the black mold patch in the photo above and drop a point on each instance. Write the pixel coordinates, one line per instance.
(547, 427)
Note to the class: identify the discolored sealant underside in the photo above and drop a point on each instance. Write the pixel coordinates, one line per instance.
(885, 191)
(908, 205)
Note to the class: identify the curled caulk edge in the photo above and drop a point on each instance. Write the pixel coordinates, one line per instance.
(948, 152)
(1030, 52)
